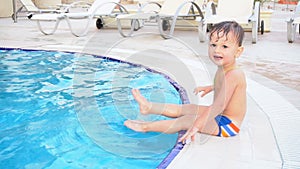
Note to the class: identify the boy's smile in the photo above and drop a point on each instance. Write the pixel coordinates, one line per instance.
(218, 57)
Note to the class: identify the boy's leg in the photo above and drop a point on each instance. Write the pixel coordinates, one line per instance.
(210, 127)
(169, 110)
(164, 126)
(207, 124)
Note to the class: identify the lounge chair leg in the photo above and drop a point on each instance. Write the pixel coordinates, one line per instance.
(45, 32)
(86, 29)
(164, 24)
(134, 22)
(262, 27)
(256, 22)
(254, 31)
(202, 31)
(291, 32)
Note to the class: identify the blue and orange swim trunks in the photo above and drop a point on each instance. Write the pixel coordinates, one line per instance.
(226, 127)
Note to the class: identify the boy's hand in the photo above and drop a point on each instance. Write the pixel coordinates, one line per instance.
(190, 134)
(205, 90)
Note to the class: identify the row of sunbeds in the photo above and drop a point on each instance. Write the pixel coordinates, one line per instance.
(165, 15)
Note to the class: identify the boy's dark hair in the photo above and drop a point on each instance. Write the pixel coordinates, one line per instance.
(226, 27)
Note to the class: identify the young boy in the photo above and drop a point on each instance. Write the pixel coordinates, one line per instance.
(225, 115)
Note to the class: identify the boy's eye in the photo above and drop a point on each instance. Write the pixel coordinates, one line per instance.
(225, 46)
(213, 45)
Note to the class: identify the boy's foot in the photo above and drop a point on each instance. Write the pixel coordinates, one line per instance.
(145, 106)
(135, 125)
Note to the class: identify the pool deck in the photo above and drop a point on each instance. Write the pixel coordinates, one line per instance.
(268, 137)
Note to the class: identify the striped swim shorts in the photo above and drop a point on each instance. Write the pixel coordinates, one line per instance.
(226, 127)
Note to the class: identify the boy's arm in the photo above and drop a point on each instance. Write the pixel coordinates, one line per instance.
(204, 89)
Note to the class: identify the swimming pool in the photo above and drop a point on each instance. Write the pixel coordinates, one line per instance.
(66, 110)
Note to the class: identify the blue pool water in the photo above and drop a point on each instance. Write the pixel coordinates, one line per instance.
(66, 110)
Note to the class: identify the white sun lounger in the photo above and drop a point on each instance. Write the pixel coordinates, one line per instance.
(31, 9)
(98, 9)
(241, 11)
(171, 10)
(292, 24)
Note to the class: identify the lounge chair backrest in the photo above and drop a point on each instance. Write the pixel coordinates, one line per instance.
(29, 5)
(105, 9)
(235, 8)
(170, 7)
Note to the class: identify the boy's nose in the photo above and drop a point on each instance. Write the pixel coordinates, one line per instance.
(217, 49)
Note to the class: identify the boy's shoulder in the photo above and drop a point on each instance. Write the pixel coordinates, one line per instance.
(237, 75)
(236, 71)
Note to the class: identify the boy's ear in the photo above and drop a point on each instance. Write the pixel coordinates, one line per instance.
(239, 51)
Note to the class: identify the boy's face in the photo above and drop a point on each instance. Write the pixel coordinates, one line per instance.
(224, 49)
